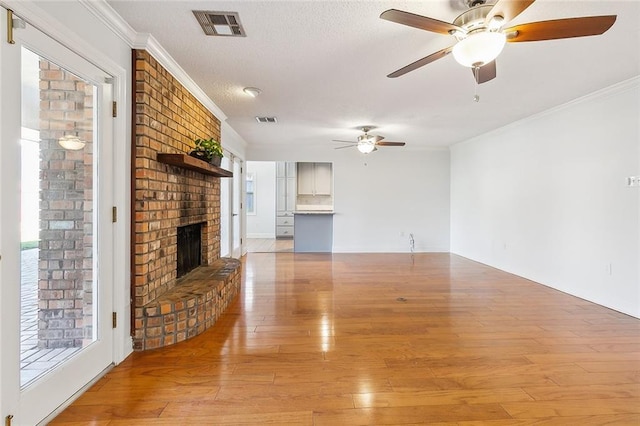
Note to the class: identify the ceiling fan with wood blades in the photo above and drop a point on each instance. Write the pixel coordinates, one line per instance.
(481, 34)
(367, 143)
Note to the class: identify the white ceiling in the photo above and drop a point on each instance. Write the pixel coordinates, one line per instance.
(322, 66)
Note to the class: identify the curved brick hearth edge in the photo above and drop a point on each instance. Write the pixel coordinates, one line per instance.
(191, 307)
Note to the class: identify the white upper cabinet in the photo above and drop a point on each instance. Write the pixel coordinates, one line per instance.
(314, 178)
(290, 203)
(323, 178)
(306, 184)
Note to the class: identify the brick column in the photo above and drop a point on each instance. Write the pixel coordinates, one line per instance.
(65, 267)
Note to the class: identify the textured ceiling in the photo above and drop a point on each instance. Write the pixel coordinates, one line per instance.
(322, 66)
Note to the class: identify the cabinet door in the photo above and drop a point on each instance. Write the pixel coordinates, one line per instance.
(291, 194)
(291, 169)
(281, 194)
(281, 169)
(323, 177)
(305, 179)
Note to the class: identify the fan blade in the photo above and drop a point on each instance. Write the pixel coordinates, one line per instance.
(421, 62)
(378, 138)
(343, 147)
(508, 9)
(419, 21)
(351, 142)
(390, 144)
(485, 73)
(560, 28)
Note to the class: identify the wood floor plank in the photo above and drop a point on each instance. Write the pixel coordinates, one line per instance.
(423, 414)
(111, 410)
(440, 397)
(609, 420)
(604, 367)
(384, 339)
(550, 393)
(571, 408)
(293, 418)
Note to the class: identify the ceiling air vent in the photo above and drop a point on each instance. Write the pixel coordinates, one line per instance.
(220, 23)
(266, 119)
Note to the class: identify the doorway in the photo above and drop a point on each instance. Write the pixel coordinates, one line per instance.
(231, 207)
(269, 206)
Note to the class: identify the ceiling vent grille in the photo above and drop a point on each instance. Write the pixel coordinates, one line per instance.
(226, 24)
(266, 119)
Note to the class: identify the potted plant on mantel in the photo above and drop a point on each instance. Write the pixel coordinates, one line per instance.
(208, 150)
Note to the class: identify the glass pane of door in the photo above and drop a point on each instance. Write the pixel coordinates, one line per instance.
(58, 216)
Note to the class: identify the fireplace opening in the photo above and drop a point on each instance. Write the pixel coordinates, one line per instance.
(189, 248)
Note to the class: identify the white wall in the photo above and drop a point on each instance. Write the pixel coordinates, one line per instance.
(263, 223)
(382, 197)
(546, 198)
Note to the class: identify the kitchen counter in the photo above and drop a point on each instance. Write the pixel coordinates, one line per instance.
(313, 231)
(314, 212)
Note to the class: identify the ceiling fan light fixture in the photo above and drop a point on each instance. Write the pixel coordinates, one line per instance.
(366, 143)
(366, 146)
(496, 23)
(479, 48)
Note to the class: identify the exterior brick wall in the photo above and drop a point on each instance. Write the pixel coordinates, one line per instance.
(65, 280)
(168, 118)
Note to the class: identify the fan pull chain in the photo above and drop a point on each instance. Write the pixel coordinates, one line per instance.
(476, 71)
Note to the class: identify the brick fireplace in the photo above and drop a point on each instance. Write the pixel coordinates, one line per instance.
(167, 120)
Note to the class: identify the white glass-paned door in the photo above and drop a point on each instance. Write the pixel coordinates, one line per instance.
(54, 229)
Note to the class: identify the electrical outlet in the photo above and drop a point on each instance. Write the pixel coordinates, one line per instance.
(633, 181)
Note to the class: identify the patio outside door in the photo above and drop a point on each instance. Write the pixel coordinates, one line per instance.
(55, 197)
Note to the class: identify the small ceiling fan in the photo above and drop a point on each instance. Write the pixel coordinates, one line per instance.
(367, 143)
(481, 34)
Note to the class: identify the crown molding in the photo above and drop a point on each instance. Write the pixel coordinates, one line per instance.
(110, 18)
(616, 88)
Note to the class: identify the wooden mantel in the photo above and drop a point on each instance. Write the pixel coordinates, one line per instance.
(188, 162)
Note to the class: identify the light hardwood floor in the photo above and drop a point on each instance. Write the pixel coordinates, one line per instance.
(269, 245)
(383, 339)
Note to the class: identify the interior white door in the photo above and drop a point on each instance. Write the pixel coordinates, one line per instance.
(238, 183)
(225, 210)
(56, 273)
